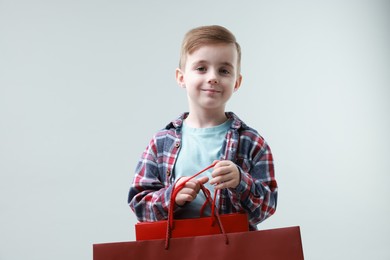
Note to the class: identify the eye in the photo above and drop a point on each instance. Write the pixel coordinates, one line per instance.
(224, 71)
(201, 69)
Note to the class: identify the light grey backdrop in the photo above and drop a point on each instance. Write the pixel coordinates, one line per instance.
(84, 85)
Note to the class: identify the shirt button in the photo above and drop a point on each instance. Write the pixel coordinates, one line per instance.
(168, 172)
(177, 144)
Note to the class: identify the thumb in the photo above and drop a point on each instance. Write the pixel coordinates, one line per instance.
(203, 180)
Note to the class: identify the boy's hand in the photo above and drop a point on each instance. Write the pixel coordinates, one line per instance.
(225, 175)
(190, 190)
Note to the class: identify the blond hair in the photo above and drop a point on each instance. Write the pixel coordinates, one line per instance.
(206, 35)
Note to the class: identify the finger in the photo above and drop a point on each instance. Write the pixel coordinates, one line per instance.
(215, 162)
(220, 179)
(193, 185)
(181, 180)
(225, 177)
(220, 171)
(224, 185)
(188, 193)
(223, 163)
(203, 180)
(183, 198)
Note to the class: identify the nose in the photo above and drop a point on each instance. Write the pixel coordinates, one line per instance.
(213, 81)
(213, 78)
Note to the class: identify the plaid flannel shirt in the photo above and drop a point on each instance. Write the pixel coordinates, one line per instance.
(256, 193)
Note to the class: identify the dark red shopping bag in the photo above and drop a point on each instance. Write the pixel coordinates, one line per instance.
(273, 244)
(215, 237)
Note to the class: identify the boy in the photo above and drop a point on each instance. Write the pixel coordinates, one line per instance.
(243, 177)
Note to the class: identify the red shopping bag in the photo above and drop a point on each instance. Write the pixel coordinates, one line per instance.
(215, 224)
(191, 227)
(273, 244)
(168, 243)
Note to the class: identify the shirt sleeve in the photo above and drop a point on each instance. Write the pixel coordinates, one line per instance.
(150, 193)
(257, 191)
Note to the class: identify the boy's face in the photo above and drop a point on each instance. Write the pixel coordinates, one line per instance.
(210, 76)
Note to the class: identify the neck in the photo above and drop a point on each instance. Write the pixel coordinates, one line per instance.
(205, 119)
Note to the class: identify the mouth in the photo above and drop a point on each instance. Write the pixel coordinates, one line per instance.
(211, 91)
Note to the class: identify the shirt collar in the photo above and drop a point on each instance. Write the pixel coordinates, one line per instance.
(236, 124)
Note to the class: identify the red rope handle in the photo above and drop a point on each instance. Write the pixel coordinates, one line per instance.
(206, 192)
(176, 190)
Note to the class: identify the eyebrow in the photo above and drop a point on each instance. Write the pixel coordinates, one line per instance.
(204, 61)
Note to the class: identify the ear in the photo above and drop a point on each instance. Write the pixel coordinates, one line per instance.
(180, 78)
(238, 83)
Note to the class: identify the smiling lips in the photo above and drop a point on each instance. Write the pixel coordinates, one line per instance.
(211, 90)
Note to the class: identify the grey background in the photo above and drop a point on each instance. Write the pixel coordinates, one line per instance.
(84, 85)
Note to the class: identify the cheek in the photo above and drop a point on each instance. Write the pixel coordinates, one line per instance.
(194, 81)
(229, 87)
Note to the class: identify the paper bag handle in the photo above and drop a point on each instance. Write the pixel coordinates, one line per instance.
(214, 213)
